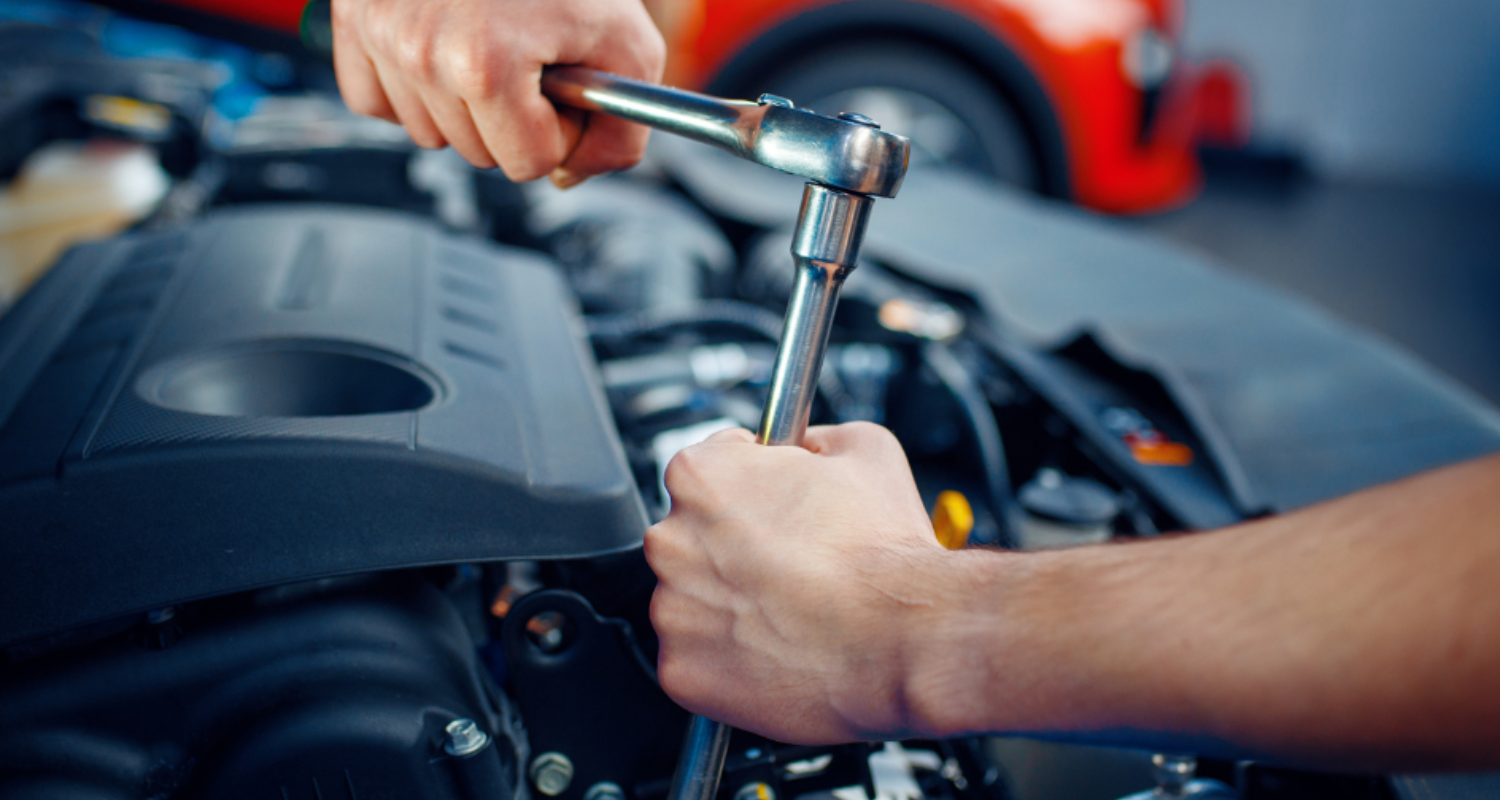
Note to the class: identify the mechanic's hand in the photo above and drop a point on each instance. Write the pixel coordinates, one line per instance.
(467, 73)
(791, 581)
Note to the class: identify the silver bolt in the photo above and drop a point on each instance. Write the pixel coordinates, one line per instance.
(464, 738)
(775, 100)
(859, 119)
(551, 773)
(755, 791)
(604, 790)
(1173, 772)
(160, 615)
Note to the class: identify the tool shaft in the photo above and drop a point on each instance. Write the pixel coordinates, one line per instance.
(848, 162)
(825, 249)
(702, 760)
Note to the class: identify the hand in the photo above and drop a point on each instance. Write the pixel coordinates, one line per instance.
(792, 581)
(802, 596)
(467, 73)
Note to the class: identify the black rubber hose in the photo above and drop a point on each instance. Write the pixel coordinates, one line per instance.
(971, 400)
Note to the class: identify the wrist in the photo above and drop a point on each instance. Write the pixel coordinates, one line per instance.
(1026, 643)
(956, 651)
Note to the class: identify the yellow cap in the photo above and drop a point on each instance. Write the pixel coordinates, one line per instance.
(952, 520)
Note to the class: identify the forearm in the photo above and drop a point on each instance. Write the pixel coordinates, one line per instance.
(1362, 632)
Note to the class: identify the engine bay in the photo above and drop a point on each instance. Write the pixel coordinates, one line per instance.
(312, 495)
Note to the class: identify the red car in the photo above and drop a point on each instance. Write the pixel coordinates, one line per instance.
(1081, 99)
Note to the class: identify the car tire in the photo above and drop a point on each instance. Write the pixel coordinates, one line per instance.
(954, 114)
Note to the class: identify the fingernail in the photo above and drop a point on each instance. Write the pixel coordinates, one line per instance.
(564, 178)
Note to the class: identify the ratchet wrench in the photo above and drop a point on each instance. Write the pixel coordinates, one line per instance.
(847, 161)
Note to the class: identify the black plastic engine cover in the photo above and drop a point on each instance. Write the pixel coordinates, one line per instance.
(326, 689)
(290, 392)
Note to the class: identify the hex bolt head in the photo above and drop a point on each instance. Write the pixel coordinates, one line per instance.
(464, 738)
(755, 790)
(1173, 771)
(775, 100)
(604, 790)
(551, 773)
(859, 119)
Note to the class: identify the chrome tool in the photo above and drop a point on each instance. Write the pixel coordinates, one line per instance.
(847, 160)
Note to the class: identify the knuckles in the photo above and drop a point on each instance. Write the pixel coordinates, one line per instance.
(478, 72)
(680, 680)
(870, 433)
(685, 473)
(658, 546)
(867, 440)
(651, 55)
(414, 54)
(669, 672)
(697, 477)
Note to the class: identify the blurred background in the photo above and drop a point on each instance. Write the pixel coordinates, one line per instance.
(1346, 150)
(1374, 186)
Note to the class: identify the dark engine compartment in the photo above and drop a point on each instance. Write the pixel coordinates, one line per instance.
(305, 499)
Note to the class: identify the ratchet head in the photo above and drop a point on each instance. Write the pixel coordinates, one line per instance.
(849, 152)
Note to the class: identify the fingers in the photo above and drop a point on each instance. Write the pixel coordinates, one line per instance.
(698, 474)
(456, 124)
(735, 435)
(454, 72)
(608, 144)
(375, 84)
(713, 474)
(522, 131)
(355, 72)
(410, 110)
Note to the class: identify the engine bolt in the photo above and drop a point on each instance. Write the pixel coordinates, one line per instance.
(755, 791)
(464, 738)
(604, 790)
(551, 773)
(1173, 771)
(859, 119)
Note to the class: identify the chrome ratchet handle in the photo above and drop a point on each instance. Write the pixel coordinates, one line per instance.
(701, 762)
(825, 250)
(845, 153)
(848, 160)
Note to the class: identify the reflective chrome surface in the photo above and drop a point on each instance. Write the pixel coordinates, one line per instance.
(702, 760)
(840, 153)
(825, 249)
(848, 160)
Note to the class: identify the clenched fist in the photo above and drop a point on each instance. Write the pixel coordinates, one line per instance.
(796, 584)
(467, 73)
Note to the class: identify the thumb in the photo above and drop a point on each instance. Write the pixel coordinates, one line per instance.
(573, 124)
(731, 435)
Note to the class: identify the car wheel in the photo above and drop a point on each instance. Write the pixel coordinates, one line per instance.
(953, 114)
